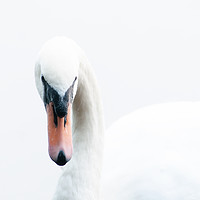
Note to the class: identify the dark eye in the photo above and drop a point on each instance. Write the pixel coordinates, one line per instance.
(42, 78)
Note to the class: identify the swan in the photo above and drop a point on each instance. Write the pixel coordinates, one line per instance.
(68, 88)
(152, 154)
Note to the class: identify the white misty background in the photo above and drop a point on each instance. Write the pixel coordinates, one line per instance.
(143, 52)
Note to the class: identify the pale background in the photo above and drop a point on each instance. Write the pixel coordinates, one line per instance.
(143, 52)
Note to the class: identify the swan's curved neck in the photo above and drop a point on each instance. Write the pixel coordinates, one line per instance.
(81, 176)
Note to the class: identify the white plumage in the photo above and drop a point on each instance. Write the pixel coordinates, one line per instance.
(152, 154)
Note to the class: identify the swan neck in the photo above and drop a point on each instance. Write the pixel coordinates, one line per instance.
(81, 176)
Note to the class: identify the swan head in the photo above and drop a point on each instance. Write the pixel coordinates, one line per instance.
(56, 77)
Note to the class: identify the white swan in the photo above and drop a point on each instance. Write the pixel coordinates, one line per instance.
(64, 77)
(140, 163)
(154, 154)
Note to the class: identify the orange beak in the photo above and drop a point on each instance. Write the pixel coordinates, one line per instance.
(59, 136)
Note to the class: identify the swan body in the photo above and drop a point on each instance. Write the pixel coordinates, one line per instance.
(151, 154)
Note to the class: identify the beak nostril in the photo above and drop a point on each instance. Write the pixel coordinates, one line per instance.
(61, 159)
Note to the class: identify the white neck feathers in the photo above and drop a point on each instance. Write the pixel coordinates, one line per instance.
(81, 176)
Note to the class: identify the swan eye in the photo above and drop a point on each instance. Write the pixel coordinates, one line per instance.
(69, 94)
(47, 98)
(42, 78)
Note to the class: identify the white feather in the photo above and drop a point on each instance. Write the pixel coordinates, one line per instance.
(152, 154)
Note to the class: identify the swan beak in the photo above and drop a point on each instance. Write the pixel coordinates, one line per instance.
(59, 136)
